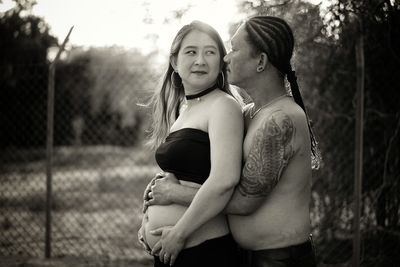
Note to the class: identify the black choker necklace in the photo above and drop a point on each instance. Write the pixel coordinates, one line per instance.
(202, 93)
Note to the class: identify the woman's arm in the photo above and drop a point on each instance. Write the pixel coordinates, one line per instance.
(225, 131)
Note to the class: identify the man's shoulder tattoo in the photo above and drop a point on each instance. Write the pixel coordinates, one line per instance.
(269, 154)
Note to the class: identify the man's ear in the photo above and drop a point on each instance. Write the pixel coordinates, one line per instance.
(262, 62)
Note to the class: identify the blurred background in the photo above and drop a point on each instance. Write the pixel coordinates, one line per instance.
(112, 63)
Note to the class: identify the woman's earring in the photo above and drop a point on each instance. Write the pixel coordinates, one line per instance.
(260, 68)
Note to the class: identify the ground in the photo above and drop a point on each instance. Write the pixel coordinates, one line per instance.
(16, 261)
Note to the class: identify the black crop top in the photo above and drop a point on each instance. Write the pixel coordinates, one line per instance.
(186, 153)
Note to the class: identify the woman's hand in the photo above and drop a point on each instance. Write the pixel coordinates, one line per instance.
(169, 245)
(142, 240)
(146, 194)
(159, 191)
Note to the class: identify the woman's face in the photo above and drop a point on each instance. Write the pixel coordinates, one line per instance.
(198, 61)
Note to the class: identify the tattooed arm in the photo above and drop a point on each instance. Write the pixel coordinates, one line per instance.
(270, 152)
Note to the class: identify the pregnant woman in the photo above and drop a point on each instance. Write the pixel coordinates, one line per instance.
(197, 133)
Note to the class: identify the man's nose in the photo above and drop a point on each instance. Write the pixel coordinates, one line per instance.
(226, 58)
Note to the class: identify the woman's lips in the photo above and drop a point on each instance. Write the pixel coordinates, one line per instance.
(199, 72)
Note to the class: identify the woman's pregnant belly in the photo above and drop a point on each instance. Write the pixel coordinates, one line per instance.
(158, 216)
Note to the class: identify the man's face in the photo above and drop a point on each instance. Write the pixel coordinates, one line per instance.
(241, 65)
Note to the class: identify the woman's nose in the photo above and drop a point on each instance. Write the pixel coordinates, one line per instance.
(200, 60)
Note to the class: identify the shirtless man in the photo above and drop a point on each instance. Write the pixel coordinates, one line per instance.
(269, 210)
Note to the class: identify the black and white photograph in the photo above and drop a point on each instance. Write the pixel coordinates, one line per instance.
(212, 133)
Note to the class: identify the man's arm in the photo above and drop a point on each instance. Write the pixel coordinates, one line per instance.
(272, 148)
(168, 190)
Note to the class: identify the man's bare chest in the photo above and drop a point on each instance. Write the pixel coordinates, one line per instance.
(248, 144)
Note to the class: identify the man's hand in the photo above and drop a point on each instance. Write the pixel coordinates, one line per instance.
(169, 245)
(158, 192)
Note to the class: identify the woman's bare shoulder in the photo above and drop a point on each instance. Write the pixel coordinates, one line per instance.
(225, 102)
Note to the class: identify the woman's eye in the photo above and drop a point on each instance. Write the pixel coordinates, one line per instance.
(210, 52)
(191, 52)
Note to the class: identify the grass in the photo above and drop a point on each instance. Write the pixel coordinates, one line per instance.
(96, 203)
(96, 211)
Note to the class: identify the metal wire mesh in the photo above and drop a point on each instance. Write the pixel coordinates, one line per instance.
(101, 167)
(99, 171)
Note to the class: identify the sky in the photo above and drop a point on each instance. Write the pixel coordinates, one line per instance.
(121, 22)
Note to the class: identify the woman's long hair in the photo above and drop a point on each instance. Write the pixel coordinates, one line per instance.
(166, 101)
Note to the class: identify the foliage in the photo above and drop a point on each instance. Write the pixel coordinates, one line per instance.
(23, 49)
(378, 23)
(325, 61)
(98, 92)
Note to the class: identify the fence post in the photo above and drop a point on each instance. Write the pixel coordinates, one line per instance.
(359, 136)
(49, 146)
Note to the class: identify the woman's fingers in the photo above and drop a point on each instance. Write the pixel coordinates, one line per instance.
(152, 182)
(148, 203)
(172, 260)
(166, 258)
(156, 249)
(146, 191)
(144, 244)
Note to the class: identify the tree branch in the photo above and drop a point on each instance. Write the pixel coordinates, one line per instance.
(312, 37)
(378, 113)
(387, 154)
(277, 5)
(382, 229)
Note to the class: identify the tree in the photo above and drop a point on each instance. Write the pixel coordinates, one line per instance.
(326, 66)
(23, 76)
(102, 87)
(377, 22)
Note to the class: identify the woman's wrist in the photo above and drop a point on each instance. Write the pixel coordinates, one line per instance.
(179, 233)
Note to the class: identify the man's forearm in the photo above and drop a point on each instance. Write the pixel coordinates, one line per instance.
(238, 205)
(182, 194)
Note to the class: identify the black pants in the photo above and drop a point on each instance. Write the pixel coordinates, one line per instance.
(301, 255)
(217, 252)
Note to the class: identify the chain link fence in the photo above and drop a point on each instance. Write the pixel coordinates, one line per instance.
(334, 197)
(100, 166)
